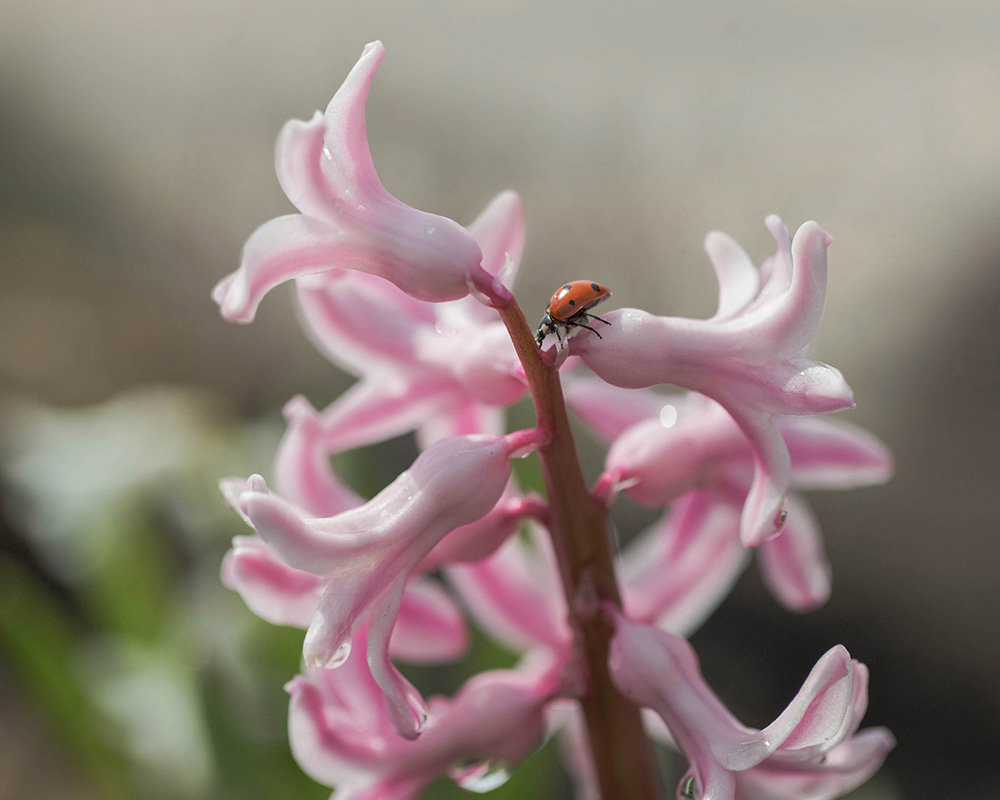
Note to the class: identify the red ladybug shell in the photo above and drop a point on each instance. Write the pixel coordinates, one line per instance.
(574, 298)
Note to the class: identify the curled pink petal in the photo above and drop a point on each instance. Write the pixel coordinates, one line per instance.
(404, 705)
(739, 279)
(834, 455)
(361, 322)
(817, 714)
(380, 407)
(784, 326)
(448, 257)
(608, 410)
(302, 470)
(689, 441)
(271, 589)
(350, 220)
(764, 509)
(297, 158)
(500, 231)
(750, 353)
(430, 627)
(279, 250)
(514, 594)
(659, 670)
(840, 770)
(794, 564)
(677, 572)
(479, 539)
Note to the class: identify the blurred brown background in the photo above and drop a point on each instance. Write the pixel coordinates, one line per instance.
(136, 156)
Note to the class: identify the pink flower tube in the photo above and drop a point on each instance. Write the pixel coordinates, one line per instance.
(348, 220)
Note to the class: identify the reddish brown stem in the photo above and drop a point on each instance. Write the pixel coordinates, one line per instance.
(622, 755)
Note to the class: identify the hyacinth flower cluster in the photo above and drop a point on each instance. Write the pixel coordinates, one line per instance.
(420, 309)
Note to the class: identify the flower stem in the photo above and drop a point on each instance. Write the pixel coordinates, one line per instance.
(622, 755)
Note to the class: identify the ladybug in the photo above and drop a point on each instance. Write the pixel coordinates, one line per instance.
(569, 306)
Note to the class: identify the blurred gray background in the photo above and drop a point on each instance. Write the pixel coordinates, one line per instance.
(136, 153)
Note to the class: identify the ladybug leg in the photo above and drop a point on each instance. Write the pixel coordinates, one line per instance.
(594, 316)
(576, 324)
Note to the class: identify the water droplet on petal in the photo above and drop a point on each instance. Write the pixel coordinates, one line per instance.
(781, 519)
(523, 452)
(479, 776)
(327, 154)
(506, 270)
(668, 416)
(339, 656)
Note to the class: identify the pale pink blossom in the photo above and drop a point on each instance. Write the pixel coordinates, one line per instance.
(366, 554)
(348, 219)
(342, 738)
(659, 670)
(429, 627)
(666, 445)
(749, 357)
(445, 368)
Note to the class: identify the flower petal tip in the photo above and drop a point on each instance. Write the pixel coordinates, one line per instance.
(232, 297)
(298, 409)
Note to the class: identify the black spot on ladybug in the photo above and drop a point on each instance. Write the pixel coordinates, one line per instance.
(572, 302)
(596, 287)
(567, 286)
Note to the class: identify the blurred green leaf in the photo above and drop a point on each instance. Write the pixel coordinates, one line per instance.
(39, 638)
(128, 590)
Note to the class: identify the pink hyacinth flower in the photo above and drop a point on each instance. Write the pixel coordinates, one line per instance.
(658, 670)
(429, 627)
(663, 445)
(749, 357)
(341, 737)
(445, 369)
(366, 554)
(348, 219)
